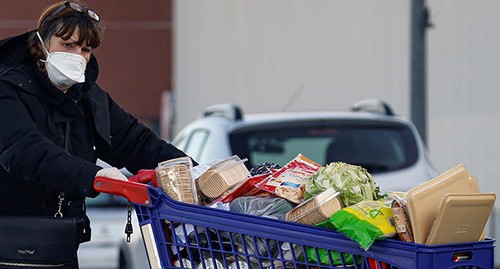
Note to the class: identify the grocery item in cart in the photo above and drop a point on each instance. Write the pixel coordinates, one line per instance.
(270, 207)
(238, 265)
(264, 168)
(316, 209)
(288, 182)
(175, 178)
(210, 263)
(353, 182)
(245, 188)
(461, 217)
(424, 200)
(401, 217)
(364, 222)
(325, 257)
(222, 176)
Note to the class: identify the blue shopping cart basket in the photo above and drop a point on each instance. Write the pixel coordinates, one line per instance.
(180, 235)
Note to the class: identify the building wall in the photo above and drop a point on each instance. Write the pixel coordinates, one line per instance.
(290, 55)
(135, 58)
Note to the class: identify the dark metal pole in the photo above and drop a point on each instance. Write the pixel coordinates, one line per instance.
(419, 23)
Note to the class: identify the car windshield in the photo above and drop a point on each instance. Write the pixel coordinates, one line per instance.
(377, 148)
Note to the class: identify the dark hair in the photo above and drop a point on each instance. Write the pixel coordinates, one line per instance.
(63, 25)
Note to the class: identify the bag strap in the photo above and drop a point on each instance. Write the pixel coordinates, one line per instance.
(59, 213)
(67, 136)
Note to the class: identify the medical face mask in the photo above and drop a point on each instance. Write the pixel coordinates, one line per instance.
(64, 69)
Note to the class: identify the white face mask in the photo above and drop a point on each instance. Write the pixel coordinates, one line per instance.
(64, 69)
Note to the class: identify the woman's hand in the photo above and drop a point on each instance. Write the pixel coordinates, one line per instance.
(111, 172)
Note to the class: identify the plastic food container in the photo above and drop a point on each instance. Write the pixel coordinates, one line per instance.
(175, 178)
(316, 209)
(222, 176)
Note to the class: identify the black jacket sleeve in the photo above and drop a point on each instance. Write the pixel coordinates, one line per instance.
(134, 145)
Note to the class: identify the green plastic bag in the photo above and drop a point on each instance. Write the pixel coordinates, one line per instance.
(324, 257)
(363, 222)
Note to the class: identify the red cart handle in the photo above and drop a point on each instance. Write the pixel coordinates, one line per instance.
(145, 176)
(132, 191)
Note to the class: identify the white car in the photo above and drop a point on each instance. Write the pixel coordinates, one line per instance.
(369, 135)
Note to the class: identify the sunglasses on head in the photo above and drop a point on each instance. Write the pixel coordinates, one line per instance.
(76, 7)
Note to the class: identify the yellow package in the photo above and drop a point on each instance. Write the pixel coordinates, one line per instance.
(363, 222)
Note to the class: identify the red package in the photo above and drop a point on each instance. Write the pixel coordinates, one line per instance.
(374, 264)
(246, 188)
(288, 182)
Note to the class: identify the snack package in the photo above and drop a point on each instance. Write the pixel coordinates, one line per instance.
(316, 209)
(363, 222)
(401, 216)
(222, 176)
(175, 178)
(288, 182)
(245, 188)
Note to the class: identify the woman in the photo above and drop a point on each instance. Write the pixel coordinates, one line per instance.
(56, 121)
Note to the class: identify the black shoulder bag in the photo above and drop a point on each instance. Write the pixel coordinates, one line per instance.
(39, 241)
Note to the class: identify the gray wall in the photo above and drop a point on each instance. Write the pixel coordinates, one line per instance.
(260, 53)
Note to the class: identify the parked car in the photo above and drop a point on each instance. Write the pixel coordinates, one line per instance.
(369, 135)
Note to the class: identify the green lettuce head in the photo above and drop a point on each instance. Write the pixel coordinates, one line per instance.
(353, 182)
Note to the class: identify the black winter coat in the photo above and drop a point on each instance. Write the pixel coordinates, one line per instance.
(35, 167)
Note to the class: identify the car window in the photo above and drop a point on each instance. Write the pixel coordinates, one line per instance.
(377, 148)
(195, 143)
(180, 141)
(283, 150)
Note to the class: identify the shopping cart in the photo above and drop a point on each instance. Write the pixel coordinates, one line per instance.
(180, 235)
